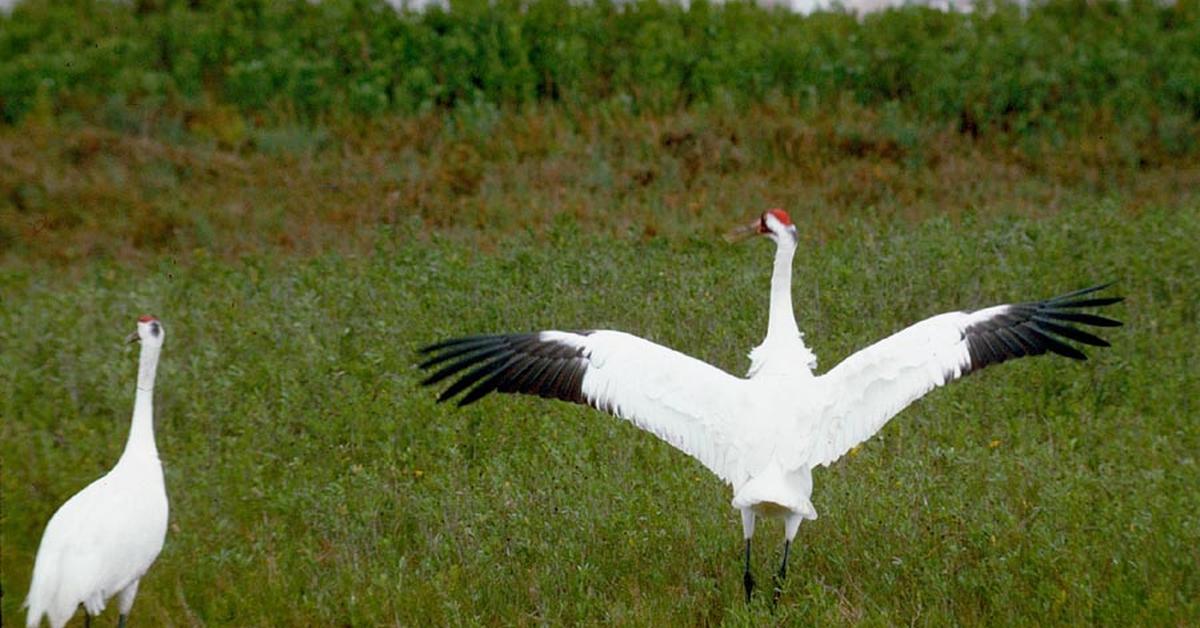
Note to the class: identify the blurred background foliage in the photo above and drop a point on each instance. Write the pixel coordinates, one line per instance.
(133, 129)
(1054, 68)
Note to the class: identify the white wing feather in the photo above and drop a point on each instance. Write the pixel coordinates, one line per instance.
(873, 385)
(686, 402)
(783, 418)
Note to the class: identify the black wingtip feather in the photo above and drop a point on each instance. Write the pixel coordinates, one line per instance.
(454, 342)
(514, 363)
(1081, 292)
(1100, 302)
(1039, 327)
(1057, 346)
(486, 354)
(1072, 333)
(490, 384)
(1082, 318)
(473, 376)
(454, 351)
(1013, 346)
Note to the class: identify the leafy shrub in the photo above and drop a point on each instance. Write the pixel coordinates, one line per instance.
(1003, 70)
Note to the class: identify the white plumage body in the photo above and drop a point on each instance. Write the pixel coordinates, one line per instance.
(100, 542)
(731, 425)
(104, 538)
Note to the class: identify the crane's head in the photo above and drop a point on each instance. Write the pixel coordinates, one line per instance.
(149, 332)
(774, 223)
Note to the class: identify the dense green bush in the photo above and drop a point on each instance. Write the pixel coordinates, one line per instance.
(1061, 66)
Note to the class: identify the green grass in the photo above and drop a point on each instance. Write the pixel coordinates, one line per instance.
(411, 177)
(312, 481)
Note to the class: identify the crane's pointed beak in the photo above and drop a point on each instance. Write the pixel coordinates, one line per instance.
(132, 338)
(738, 234)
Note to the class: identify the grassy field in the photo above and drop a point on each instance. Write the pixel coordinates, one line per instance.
(305, 196)
(313, 482)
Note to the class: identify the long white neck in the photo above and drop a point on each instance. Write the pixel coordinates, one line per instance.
(141, 430)
(782, 320)
(783, 351)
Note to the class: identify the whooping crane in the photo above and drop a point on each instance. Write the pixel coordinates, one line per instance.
(103, 539)
(764, 434)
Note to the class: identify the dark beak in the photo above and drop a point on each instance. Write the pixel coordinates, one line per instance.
(743, 232)
(132, 338)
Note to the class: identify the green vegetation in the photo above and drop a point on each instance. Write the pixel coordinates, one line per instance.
(86, 194)
(306, 192)
(313, 482)
(1056, 69)
(231, 127)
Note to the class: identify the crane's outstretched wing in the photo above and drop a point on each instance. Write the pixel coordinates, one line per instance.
(875, 384)
(686, 402)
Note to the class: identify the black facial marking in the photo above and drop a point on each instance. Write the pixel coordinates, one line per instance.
(154, 329)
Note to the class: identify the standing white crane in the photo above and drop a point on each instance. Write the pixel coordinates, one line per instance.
(764, 434)
(101, 541)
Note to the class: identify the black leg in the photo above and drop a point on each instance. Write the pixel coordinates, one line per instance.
(87, 619)
(779, 577)
(121, 621)
(747, 579)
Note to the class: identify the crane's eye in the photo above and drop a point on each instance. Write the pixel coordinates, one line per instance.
(154, 329)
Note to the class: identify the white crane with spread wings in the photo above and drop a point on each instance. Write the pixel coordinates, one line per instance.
(763, 434)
